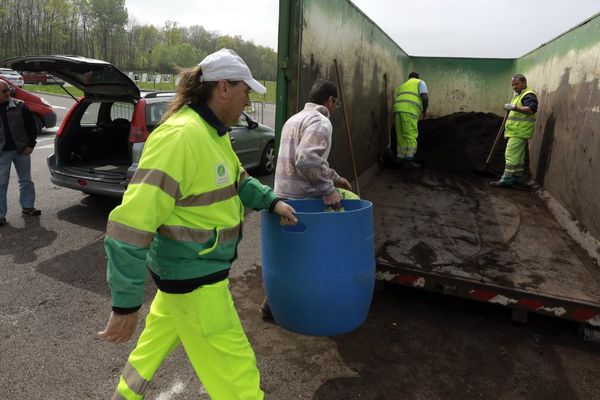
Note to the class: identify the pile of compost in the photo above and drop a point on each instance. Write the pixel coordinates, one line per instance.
(460, 142)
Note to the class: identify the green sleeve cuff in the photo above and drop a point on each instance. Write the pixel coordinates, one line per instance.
(255, 195)
(125, 311)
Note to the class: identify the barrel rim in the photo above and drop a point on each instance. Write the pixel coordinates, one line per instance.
(367, 205)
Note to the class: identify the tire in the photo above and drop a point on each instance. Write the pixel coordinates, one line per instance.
(268, 160)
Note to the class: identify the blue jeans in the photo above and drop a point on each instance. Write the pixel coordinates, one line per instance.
(26, 187)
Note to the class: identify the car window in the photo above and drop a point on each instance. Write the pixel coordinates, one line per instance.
(154, 113)
(90, 116)
(99, 112)
(121, 110)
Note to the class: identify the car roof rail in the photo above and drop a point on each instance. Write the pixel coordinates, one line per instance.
(152, 95)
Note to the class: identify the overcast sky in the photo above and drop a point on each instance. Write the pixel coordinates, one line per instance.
(459, 28)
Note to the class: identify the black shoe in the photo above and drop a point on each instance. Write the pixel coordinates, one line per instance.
(500, 184)
(2, 221)
(265, 310)
(527, 185)
(411, 164)
(32, 211)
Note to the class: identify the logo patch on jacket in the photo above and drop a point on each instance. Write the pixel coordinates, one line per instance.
(222, 174)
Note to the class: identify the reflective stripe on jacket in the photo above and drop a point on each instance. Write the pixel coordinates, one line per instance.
(408, 99)
(518, 124)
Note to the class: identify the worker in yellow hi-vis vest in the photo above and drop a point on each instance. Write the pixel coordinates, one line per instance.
(181, 217)
(518, 129)
(412, 100)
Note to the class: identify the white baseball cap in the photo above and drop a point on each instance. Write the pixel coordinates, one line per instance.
(226, 64)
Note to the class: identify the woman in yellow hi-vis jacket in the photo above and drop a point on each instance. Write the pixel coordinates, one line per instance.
(181, 217)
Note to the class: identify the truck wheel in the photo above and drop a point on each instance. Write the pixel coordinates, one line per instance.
(267, 161)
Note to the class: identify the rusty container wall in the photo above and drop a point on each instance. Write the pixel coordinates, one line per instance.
(465, 84)
(370, 65)
(565, 150)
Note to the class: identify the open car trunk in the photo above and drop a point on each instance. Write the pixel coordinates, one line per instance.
(96, 145)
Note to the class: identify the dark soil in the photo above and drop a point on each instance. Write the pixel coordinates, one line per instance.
(460, 142)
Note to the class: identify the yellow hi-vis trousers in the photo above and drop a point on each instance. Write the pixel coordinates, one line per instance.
(406, 135)
(515, 157)
(207, 324)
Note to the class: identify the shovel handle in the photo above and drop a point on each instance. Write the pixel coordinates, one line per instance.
(348, 135)
(498, 137)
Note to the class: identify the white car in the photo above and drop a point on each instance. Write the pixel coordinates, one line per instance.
(13, 76)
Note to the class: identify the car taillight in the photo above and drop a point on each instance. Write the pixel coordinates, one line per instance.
(67, 119)
(139, 132)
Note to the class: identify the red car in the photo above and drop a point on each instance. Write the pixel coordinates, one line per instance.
(42, 111)
(40, 78)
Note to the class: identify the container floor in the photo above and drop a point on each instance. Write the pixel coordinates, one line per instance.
(456, 226)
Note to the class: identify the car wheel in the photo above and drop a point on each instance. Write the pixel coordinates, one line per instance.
(268, 159)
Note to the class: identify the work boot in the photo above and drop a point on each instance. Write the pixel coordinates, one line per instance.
(265, 310)
(526, 184)
(500, 184)
(504, 182)
(32, 211)
(411, 164)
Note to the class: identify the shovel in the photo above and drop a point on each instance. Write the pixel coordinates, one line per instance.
(483, 171)
(348, 135)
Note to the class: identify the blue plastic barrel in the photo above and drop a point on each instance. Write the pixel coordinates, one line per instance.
(320, 274)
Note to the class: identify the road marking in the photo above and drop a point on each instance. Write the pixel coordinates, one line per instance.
(53, 130)
(59, 107)
(177, 388)
(47, 146)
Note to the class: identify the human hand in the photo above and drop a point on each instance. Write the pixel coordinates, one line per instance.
(343, 183)
(119, 327)
(333, 200)
(27, 151)
(509, 107)
(286, 212)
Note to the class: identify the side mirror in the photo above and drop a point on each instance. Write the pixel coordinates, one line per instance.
(251, 124)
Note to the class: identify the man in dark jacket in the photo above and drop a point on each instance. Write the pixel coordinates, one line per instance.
(18, 135)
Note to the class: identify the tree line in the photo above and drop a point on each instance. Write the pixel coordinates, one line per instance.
(103, 29)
